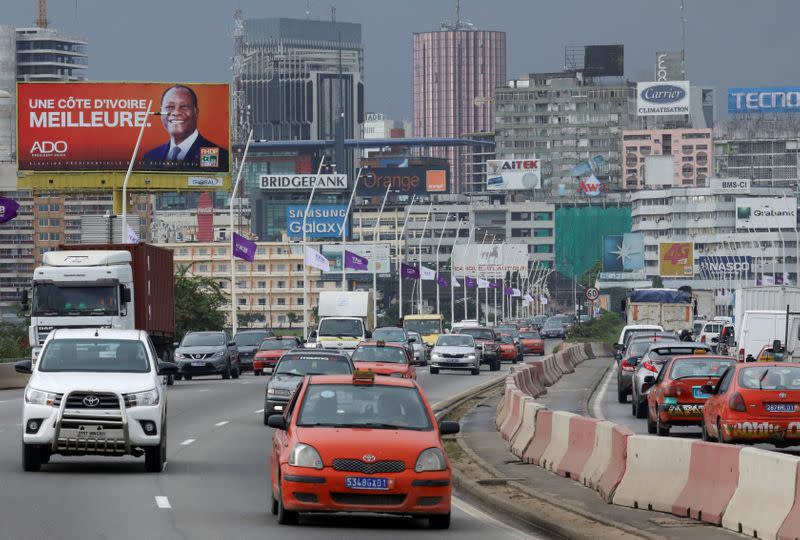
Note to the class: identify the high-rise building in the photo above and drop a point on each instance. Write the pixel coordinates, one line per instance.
(456, 71)
(691, 149)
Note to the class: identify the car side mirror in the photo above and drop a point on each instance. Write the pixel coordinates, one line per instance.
(124, 294)
(167, 368)
(312, 334)
(449, 427)
(23, 366)
(175, 344)
(649, 379)
(232, 344)
(410, 340)
(708, 389)
(618, 346)
(24, 300)
(277, 421)
(368, 334)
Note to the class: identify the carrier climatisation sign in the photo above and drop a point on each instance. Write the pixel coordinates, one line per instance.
(323, 221)
(662, 98)
(766, 212)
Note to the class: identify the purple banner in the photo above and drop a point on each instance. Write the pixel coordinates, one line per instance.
(243, 248)
(508, 291)
(442, 281)
(470, 283)
(409, 271)
(495, 284)
(354, 261)
(8, 209)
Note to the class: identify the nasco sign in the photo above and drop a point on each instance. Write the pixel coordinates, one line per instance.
(662, 98)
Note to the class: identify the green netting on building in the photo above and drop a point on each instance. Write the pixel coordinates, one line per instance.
(579, 235)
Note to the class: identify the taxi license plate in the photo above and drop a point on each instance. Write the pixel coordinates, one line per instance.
(781, 407)
(198, 364)
(697, 393)
(357, 482)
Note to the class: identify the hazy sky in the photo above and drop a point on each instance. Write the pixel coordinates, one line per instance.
(729, 42)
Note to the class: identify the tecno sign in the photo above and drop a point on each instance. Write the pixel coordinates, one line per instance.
(302, 182)
(659, 99)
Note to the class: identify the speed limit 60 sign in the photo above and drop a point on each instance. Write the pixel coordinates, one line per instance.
(592, 293)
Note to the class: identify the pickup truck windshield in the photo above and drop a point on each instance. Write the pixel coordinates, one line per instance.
(340, 328)
(369, 353)
(54, 300)
(92, 355)
(424, 327)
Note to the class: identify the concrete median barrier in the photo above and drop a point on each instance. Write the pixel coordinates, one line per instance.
(564, 362)
(790, 529)
(515, 415)
(505, 402)
(552, 373)
(527, 428)
(516, 427)
(9, 378)
(600, 460)
(536, 372)
(713, 477)
(541, 437)
(615, 471)
(580, 447)
(765, 494)
(656, 471)
(559, 441)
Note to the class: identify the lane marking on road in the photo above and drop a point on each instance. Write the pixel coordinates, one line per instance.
(220, 424)
(482, 516)
(203, 390)
(597, 400)
(259, 411)
(162, 502)
(187, 442)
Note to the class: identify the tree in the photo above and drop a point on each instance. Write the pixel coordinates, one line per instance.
(589, 277)
(291, 317)
(245, 319)
(199, 303)
(14, 340)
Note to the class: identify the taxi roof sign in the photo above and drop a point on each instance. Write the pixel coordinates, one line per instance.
(380, 343)
(363, 376)
(700, 351)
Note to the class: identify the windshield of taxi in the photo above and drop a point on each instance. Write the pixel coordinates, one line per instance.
(249, 339)
(505, 338)
(394, 355)
(277, 344)
(301, 365)
(770, 378)
(455, 340)
(701, 367)
(530, 335)
(95, 355)
(393, 335)
(368, 406)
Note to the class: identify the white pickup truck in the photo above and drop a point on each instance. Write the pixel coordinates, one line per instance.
(95, 391)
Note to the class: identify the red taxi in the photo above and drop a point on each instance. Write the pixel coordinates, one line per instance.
(508, 349)
(532, 342)
(360, 443)
(390, 359)
(271, 350)
(755, 403)
(676, 397)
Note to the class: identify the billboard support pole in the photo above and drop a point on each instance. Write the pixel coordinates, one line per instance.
(344, 230)
(305, 237)
(399, 252)
(374, 262)
(439, 245)
(453, 277)
(234, 317)
(419, 256)
(464, 285)
(124, 224)
(477, 288)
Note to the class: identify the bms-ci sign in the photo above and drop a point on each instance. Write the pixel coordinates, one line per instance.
(662, 98)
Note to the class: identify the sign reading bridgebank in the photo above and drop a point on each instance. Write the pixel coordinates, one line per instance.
(662, 98)
(292, 182)
(766, 212)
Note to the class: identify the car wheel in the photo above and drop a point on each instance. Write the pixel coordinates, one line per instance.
(256, 372)
(720, 436)
(651, 426)
(633, 405)
(704, 432)
(661, 429)
(434, 371)
(45, 455)
(441, 521)
(235, 373)
(285, 517)
(154, 457)
(187, 377)
(266, 416)
(177, 377)
(476, 370)
(641, 410)
(622, 395)
(31, 457)
(273, 507)
(170, 380)
(496, 365)
(227, 373)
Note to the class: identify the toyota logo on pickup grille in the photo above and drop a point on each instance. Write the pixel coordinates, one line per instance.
(91, 401)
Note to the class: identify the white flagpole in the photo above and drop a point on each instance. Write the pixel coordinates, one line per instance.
(439, 245)
(344, 229)
(452, 279)
(234, 317)
(374, 261)
(464, 284)
(305, 237)
(419, 256)
(399, 252)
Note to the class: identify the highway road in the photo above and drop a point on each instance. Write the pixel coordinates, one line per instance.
(215, 485)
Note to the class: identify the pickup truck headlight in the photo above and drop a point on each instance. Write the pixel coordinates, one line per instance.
(148, 398)
(40, 397)
(304, 455)
(278, 392)
(431, 459)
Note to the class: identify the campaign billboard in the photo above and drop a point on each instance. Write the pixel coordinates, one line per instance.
(784, 99)
(378, 254)
(507, 174)
(662, 98)
(302, 182)
(623, 252)
(604, 60)
(490, 260)
(94, 126)
(726, 267)
(676, 259)
(415, 180)
(323, 221)
(766, 212)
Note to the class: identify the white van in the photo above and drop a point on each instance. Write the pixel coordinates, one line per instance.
(761, 328)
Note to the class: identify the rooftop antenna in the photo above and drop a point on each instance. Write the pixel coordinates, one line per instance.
(333, 13)
(458, 14)
(308, 9)
(683, 39)
(41, 17)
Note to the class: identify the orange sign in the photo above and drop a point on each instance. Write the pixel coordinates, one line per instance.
(676, 259)
(436, 181)
(94, 126)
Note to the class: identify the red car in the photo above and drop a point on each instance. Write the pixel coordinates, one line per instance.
(676, 397)
(271, 350)
(755, 403)
(360, 443)
(532, 342)
(390, 359)
(508, 349)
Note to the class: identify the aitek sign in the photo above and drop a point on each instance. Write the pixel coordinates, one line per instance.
(662, 98)
(502, 174)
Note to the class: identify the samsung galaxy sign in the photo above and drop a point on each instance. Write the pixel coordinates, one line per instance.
(662, 98)
(764, 100)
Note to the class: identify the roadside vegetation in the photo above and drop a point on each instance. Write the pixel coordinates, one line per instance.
(603, 329)
(14, 341)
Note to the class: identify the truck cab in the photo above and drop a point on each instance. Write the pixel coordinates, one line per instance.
(346, 319)
(430, 327)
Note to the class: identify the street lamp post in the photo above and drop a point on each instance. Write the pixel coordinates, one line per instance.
(439, 245)
(234, 317)
(399, 252)
(453, 277)
(419, 256)
(305, 238)
(477, 288)
(464, 285)
(344, 229)
(375, 234)
(124, 224)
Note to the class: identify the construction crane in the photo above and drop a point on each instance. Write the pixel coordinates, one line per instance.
(41, 17)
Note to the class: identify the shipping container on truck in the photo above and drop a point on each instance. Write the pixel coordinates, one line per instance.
(670, 308)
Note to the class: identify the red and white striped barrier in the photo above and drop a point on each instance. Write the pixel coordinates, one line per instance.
(713, 477)
(527, 429)
(580, 447)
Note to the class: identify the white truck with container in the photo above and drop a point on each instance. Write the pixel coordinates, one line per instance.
(345, 319)
(671, 309)
(759, 318)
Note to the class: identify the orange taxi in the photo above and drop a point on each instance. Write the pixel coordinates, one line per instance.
(360, 443)
(508, 349)
(532, 342)
(271, 350)
(755, 403)
(676, 397)
(391, 359)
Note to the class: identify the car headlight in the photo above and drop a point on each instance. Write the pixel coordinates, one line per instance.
(147, 398)
(40, 397)
(304, 455)
(278, 392)
(179, 356)
(219, 353)
(470, 357)
(431, 459)
(436, 356)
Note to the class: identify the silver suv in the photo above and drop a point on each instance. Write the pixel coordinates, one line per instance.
(207, 353)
